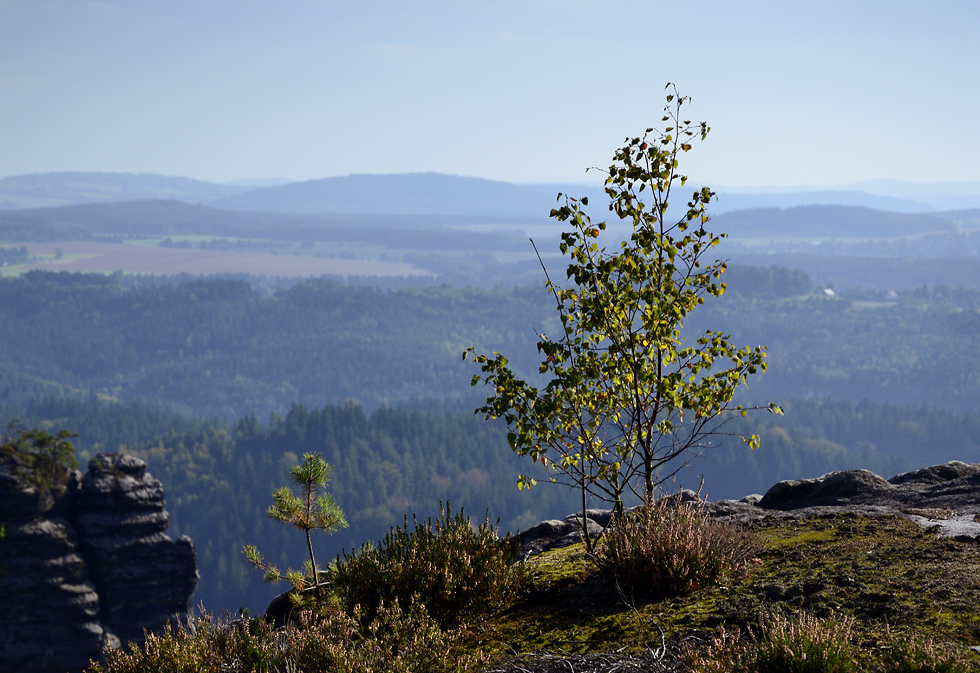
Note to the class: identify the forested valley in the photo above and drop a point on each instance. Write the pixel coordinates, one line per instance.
(222, 387)
(221, 348)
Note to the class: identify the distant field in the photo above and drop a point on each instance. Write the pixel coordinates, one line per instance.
(109, 257)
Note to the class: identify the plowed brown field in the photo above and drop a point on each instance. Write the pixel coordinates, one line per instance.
(108, 257)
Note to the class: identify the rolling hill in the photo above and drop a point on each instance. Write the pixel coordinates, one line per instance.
(41, 190)
(403, 194)
(433, 194)
(159, 217)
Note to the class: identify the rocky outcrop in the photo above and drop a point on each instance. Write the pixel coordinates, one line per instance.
(144, 577)
(945, 497)
(86, 563)
(50, 615)
(557, 533)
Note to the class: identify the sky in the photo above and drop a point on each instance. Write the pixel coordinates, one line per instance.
(821, 94)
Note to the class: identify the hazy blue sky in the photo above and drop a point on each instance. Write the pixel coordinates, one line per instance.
(821, 93)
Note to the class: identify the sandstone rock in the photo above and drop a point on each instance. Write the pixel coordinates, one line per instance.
(50, 619)
(553, 534)
(953, 485)
(20, 500)
(850, 487)
(600, 516)
(936, 474)
(86, 563)
(144, 577)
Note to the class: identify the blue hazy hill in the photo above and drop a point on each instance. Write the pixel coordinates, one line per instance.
(415, 194)
(41, 190)
(399, 194)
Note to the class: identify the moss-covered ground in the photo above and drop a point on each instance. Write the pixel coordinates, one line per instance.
(887, 573)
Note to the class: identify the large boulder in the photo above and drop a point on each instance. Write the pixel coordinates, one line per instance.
(936, 474)
(850, 487)
(953, 486)
(557, 533)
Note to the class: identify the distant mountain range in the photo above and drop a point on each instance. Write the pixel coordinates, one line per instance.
(42, 190)
(433, 194)
(134, 219)
(729, 201)
(406, 194)
(940, 195)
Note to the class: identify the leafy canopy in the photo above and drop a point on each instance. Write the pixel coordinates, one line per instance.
(627, 400)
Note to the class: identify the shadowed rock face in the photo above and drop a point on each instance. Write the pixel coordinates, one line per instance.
(144, 577)
(87, 565)
(50, 616)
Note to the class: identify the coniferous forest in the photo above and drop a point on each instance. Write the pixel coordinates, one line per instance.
(222, 386)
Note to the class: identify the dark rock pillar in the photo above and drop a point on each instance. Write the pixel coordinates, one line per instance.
(144, 578)
(49, 619)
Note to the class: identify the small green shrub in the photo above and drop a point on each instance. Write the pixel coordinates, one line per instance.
(454, 571)
(801, 644)
(668, 549)
(407, 642)
(44, 460)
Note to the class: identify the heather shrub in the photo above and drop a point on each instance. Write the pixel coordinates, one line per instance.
(801, 644)
(668, 548)
(455, 571)
(916, 654)
(202, 645)
(399, 641)
(395, 642)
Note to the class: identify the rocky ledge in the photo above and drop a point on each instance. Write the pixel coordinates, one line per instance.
(945, 496)
(86, 564)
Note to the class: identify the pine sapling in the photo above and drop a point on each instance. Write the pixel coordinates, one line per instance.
(309, 511)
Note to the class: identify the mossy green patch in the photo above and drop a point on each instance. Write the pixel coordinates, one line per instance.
(563, 566)
(794, 537)
(887, 573)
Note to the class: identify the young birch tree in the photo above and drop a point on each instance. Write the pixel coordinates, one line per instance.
(627, 401)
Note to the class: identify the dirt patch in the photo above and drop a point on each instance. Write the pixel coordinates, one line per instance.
(932, 513)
